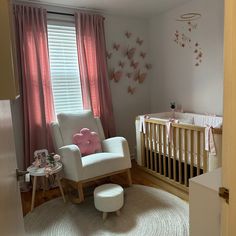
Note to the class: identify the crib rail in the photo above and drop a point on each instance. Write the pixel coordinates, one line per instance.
(178, 158)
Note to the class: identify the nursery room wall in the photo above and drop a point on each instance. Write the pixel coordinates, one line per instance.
(187, 56)
(129, 78)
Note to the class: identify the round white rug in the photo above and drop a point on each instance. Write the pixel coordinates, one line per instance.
(147, 211)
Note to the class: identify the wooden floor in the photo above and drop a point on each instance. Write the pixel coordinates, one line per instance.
(138, 177)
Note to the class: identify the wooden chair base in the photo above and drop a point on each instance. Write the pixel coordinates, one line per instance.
(129, 178)
(76, 188)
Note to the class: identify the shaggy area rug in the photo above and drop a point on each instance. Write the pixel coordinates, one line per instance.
(147, 211)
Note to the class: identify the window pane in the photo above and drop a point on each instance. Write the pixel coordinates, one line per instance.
(64, 68)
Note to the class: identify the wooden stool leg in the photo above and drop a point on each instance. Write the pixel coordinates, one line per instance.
(129, 177)
(80, 192)
(33, 192)
(104, 215)
(60, 187)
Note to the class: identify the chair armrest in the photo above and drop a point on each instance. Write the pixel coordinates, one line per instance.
(116, 145)
(72, 164)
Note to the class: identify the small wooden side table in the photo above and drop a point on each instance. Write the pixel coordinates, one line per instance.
(37, 172)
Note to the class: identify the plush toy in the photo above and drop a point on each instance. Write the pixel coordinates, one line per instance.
(87, 141)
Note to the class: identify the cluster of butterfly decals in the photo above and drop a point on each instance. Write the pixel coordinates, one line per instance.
(131, 64)
(185, 41)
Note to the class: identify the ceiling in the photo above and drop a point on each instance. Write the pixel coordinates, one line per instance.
(137, 8)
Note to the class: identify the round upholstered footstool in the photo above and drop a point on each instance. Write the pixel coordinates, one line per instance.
(109, 198)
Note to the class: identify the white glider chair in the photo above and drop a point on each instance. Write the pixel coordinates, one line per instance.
(78, 169)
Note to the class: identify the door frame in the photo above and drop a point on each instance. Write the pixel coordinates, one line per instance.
(228, 226)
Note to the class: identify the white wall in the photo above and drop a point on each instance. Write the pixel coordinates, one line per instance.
(175, 76)
(127, 106)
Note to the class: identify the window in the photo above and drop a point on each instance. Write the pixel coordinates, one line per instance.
(64, 68)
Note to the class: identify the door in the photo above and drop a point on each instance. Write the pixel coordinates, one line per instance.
(11, 217)
(229, 127)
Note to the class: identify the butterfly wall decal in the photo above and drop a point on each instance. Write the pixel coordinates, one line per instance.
(130, 53)
(148, 66)
(128, 34)
(116, 75)
(131, 90)
(121, 64)
(108, 54)
(116, 46)
(140, 77)
(129, 74)
(191, 26)
(134, 64)
(139, 41)
(143, 54)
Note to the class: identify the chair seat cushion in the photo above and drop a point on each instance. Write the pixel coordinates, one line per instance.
(103, 163)
(87, 141)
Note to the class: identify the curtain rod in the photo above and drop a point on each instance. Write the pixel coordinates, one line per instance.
(60, 13)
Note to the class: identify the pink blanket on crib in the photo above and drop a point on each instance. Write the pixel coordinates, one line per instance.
(209, 141)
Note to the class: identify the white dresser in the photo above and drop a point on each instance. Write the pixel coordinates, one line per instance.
(204, 204)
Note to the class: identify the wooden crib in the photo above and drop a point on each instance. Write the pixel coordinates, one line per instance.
(177, 160)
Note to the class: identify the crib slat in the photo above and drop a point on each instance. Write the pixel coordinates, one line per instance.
(191, 152)
(147, 145)
(151, 145)
(175, 152)
(142, 141)
(160, 148)
(155, 146)
(169, 158)
(180, 156)
(205, 161)
(204, 156)
(164, 151)
(198, 153)
(185, 158)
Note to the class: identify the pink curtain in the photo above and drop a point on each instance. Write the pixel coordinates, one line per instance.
(38, 111)
(93, 68)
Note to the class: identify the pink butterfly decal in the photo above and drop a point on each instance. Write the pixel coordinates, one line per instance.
(134, 64)
(143, 54)
(121, 64)
(131, 90)
(130, 53)
(139, 41)
(116, 46)
(116, 75)
(148, 66)
(108, 55)
(129, 75)
(128, 34)
(140, 77)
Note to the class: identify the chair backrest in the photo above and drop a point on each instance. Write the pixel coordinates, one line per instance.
(71, 123)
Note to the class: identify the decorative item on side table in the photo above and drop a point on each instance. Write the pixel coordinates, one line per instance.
(45, 165)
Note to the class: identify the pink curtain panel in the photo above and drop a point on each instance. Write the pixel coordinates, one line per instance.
(93, 68)
(31, 34)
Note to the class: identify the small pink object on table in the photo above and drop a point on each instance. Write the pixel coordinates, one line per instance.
(87, 141)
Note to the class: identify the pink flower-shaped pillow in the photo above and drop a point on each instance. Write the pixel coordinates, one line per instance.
(87, 141)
